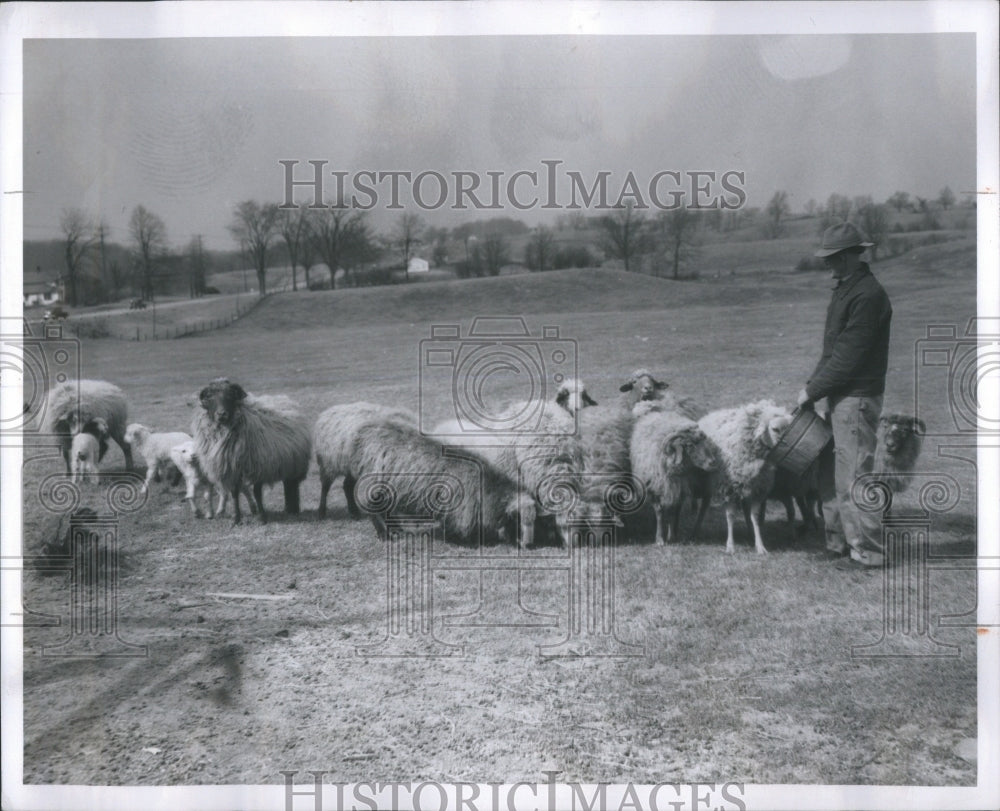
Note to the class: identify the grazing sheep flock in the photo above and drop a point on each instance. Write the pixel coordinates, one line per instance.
(665, 448)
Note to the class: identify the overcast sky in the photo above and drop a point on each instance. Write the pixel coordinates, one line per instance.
(189, 127)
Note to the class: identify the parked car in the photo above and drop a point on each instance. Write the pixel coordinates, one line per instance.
(57, 313)
(137, 304)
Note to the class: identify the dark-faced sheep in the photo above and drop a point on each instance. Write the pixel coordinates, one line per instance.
(743, 436)
(643, 393)
(898, 441)
(92, 406)
(333, 439)
(420, 470)
(669, 454)
(242, 438)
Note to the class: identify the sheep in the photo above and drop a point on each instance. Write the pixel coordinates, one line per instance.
(666, 452)
(572, 396)
(643, 393)
(155, 449)
(791, 489)
(94, 406)
(545, 462)
(743, 436)
(898, 441)
(333, 437)
(414, 465)
(241, 438)
(85, 451)
(185, 458)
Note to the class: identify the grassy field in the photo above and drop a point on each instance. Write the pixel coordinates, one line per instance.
(744, 669)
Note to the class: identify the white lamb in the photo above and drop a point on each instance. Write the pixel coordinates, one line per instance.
(84, 453)
(198, 485)
(742, 437)
(155, 449)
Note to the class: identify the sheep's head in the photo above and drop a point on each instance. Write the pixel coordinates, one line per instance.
(896, 431)
(221, 399)
(771, 422)
(520, 515)
(690, 447)
(643, 385)
(136, 432)
(572, 396)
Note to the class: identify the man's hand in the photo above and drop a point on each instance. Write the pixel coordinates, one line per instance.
(804, 399)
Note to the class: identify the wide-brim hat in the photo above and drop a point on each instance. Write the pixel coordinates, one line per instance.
(840, 237)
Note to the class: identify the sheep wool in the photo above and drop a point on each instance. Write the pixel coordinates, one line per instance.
(77, 406)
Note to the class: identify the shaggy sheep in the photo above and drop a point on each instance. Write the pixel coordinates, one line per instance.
(85, 451)
(667, 453)
(418, 468)
(155, 449)
(898, 441)
(643, 393)
(333, 438)
(93, 406)
(743, 436)
(240, 438)
(185, 458)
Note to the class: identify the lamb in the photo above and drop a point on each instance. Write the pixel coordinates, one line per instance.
(185, 458)
(93, 406)
(489, 505)
(242, 438)
(155, 449)
(643, 393)
(667, 452)
(743, 436)
(898, 439)
(333, 437)
(85, 452)
(791, 489)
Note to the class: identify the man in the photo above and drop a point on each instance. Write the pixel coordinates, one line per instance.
(851, 376)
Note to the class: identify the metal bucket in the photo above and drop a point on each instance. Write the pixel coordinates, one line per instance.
(801, 443)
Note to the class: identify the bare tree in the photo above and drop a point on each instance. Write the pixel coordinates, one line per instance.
(539, 253)
(293, 225)
(197, 266)
(101, 231)
(899, 200)
(873, 220)
(253, 227)
(494, 253)
(777, 209)
(149, 236)
(77, 240)
(625, 234)
(341, 238)
(678, 229)
(946, 198)
(407, 236)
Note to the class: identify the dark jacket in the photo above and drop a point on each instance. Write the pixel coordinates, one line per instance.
(855, 340)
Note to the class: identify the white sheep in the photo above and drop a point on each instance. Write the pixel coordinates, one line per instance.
(668, 453)
(197, 483)
(643, 393)
(420, 472)
(743, 436)
(84, 452)
(257, 440)
(333, 437)
(155, 449)
(92, 406)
